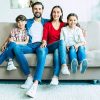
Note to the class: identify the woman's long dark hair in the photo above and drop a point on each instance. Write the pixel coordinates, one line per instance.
(51, 17)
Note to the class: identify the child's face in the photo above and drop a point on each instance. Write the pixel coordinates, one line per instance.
(72, 21)
(21, 24)
(56, 13)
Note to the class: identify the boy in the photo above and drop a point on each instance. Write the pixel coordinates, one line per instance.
(18, 36)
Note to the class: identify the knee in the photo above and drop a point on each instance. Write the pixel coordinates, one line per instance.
(56, 52)
(80, 48)
(11, 44)
(16, 49)
(62, 42)
(72, 48)
(42, 51)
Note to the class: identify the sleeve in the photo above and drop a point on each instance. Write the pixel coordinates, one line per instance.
(61, 35)
(45, 32)
(12, 33)
(81, 36)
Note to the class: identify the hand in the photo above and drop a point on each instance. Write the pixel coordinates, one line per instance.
(3, 48)
(11, 39)
(43, 45)
(67, 48)
(76, 46)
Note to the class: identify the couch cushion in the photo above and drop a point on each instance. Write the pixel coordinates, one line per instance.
(93, 58)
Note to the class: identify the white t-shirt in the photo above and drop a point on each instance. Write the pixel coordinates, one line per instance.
(36, 31)
(72, 36)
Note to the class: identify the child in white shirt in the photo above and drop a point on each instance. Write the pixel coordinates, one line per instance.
(75, 43)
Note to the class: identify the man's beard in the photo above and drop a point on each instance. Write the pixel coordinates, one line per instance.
(37, 15)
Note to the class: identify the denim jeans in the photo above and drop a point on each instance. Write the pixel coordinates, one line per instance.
(8, 52)
(59, 50)
(80, 54)
(31, 48)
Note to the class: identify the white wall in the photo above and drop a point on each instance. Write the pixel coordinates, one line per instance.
(81, 7)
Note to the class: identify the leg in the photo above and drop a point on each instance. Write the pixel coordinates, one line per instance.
(63, 57)
(73, 59)
(19, 53)
(8, 53)
(60, 45)
(41, 57)
(57, 68)
(82, 59)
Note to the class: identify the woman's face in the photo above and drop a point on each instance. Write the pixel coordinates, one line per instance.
(56, 13)
(72, 21)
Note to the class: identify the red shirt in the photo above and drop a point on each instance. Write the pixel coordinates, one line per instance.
(50, 34)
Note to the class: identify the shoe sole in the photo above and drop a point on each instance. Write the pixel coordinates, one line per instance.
(84, 66)
(74, 65)
(28, 94)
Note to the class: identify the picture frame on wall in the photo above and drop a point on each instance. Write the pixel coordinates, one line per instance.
(22, 3)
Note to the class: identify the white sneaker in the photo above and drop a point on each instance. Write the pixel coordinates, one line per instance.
(54, 81)
(32, 91)
(11, 66)
(28, 83)
(65, 70)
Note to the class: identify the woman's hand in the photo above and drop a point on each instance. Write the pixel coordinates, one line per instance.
(44, 44)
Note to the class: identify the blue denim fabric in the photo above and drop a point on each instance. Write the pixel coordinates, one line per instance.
(20, 50)
(80, 55)
(8, 52)
(31, 48)
(59, 56)
(41, 58)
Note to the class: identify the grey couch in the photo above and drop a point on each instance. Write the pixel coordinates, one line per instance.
(93, 56)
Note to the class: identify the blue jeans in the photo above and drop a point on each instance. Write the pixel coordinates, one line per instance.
(59, 50)
(80, 55)
(8, 52)
(31, 48)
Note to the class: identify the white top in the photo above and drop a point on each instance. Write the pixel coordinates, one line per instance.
(71, 36)
(36, 31)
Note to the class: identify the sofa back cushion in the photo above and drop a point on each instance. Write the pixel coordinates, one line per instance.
(93, 35)
(5, 29)
(92, 38)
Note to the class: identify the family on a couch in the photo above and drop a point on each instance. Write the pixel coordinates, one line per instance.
(43, 36)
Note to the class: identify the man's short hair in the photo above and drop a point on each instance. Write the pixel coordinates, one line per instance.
(21, 18)
(37, 3)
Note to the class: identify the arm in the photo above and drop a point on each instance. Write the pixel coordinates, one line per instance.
(24, 42)
(3, 47)
(82, 40)
(45, 36)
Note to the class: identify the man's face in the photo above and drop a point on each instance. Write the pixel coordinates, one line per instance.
(37, 11)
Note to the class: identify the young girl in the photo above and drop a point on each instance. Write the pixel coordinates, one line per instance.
(75, 43)
(17, 36)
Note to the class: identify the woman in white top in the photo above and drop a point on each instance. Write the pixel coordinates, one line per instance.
(75, 42)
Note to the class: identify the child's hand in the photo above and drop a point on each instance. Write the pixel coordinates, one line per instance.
(76, 46)
(3, 48)
(11, 39)
(68, 48)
